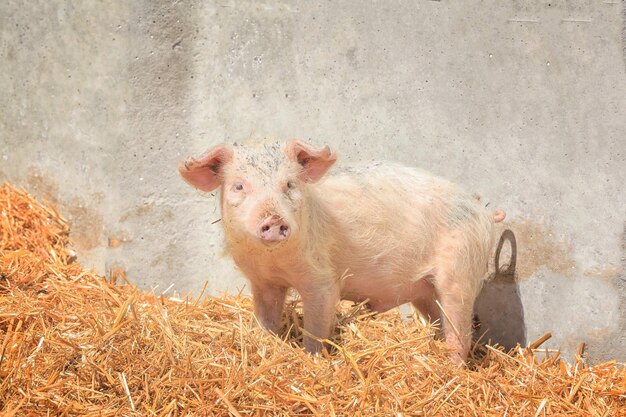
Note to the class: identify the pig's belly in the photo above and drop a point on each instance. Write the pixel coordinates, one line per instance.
(384, 293)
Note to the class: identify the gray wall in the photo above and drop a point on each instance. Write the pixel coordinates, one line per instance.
(523, 102)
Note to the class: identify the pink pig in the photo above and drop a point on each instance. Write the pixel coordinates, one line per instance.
(379, 232)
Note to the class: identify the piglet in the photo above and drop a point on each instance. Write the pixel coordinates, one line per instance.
(381, 232)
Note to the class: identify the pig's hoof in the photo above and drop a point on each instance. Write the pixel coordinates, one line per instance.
(314, 347)
(458, 360)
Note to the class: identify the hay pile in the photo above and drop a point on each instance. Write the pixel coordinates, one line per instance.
(73, 343)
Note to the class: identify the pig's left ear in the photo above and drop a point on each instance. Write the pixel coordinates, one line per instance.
(315, 162)
(206, 172)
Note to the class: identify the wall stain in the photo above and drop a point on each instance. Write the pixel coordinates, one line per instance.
(86, 223)
(537, 246)
(138, 211)
(118, 238)
(168, 257)
(605, 272)
(145, 209)
(43, 186)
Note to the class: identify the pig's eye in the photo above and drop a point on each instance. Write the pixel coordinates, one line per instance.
(291, 185)
(238, 186)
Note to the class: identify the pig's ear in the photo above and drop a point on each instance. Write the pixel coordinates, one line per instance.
(206, 172)
(315, 162)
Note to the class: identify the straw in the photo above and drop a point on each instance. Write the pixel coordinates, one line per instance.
(74, 343)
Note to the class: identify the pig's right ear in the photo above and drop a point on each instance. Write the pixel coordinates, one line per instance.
(206, 172)
(315, 162)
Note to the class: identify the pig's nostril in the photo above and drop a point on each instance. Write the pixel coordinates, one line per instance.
(273, 229)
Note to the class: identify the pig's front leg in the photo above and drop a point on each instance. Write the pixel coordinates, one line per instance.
(269, 301)
(319, 316)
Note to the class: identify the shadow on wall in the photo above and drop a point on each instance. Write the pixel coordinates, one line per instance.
(499, 305)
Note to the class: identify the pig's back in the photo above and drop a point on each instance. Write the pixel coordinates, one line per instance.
(383, 193)
(386, 220)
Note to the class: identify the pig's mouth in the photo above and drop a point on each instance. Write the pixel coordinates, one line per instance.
(273, 229)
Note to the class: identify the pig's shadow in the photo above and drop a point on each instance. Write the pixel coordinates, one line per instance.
(499, 309)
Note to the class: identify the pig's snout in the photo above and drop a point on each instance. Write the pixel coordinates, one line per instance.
(273, 229)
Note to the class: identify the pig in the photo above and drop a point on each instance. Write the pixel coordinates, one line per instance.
(380, 233)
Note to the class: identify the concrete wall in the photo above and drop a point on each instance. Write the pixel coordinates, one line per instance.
(523, 102)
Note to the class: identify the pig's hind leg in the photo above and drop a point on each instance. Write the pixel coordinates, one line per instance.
(425, 300)
(456, 312)
(457, 281)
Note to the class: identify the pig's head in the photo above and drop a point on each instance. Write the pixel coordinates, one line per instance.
(263, 189)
